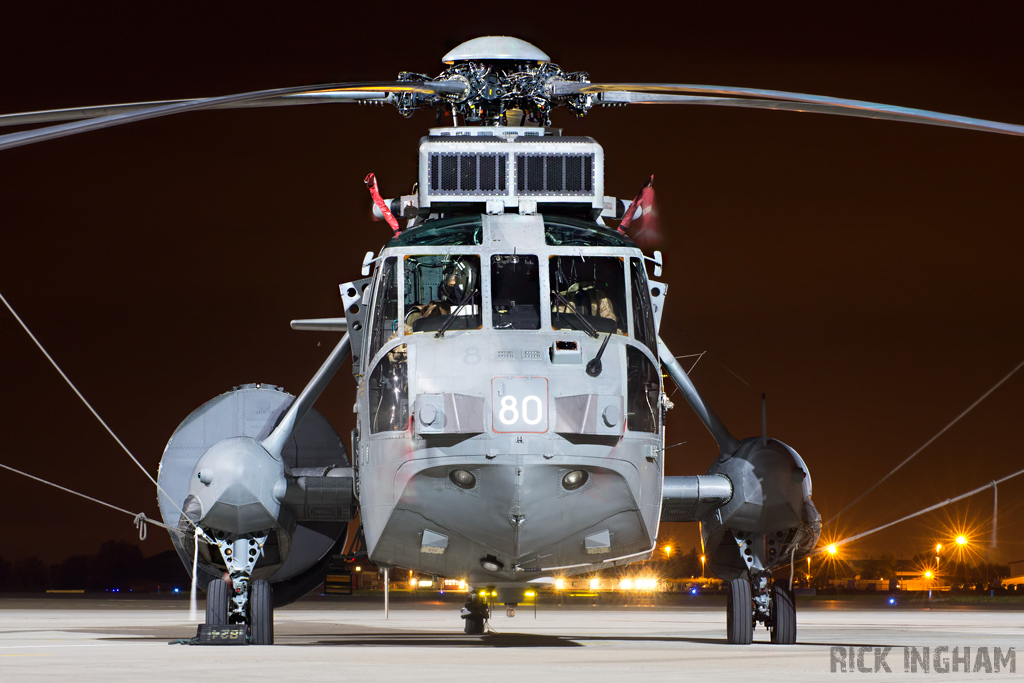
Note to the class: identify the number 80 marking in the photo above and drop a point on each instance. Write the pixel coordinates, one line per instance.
(510, 412)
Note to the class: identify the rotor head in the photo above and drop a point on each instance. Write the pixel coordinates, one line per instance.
(495, 48)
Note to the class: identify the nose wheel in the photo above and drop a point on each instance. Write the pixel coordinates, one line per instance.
(217, 603)
(760, 600)
(783, 621)
(261, 613)
(739, 614)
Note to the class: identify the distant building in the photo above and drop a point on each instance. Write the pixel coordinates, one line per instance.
(1016, 577)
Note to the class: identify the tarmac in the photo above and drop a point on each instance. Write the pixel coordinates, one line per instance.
(85, 640)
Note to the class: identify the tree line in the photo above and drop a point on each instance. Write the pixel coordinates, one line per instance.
(117, 564)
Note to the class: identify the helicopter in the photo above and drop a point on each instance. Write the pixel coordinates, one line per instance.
(459, 472)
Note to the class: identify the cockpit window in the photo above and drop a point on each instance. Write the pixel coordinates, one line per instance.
(385, 312)
(457, 231)
(568, 232)
(643, 317)
(642, 389)
(389, 392)
(515, 292)
(442, 292)
(588, 294)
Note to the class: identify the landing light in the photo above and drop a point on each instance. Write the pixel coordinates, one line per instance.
(575, 479)
(491, 564)
(462, 479)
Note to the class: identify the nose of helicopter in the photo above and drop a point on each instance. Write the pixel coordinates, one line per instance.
(526, 512)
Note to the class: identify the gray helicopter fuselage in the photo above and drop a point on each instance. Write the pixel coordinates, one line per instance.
(504, 394)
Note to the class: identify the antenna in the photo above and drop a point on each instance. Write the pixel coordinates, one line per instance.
(764, 423)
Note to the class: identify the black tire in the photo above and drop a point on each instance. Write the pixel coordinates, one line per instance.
(739, 615)
(474, 626)
(783, 629)
(217, 603)
(261, 613)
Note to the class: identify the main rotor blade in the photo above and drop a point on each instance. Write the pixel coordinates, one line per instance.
(242, 99)
(78, 113)
(813, 103)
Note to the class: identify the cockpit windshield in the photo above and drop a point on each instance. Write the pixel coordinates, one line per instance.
(588, 294)
(515, 292)
(385, 313)
(442, 292)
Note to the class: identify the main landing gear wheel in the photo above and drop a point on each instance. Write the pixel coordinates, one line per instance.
(475, 612)
(739, 616)
(261, 613)
(217, 603)
(474, 626)
(783, 628)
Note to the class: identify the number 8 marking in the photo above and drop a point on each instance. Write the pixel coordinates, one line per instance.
(508, 404)
(540, 410)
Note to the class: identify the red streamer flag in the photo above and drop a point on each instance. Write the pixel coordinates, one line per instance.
(371, 185)
(648, 219)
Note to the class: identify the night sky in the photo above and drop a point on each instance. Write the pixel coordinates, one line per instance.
(866, 275)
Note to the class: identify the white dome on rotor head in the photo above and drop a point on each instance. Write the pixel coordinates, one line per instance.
(489, 48)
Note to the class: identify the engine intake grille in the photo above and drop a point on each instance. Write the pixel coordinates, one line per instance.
(460, 173)
(524, 169)
(539, 173)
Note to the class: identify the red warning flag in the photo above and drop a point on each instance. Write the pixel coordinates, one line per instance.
(649, 233)
(371, 185)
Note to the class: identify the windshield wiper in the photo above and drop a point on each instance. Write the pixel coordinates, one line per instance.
(454, 314)
(587, 327)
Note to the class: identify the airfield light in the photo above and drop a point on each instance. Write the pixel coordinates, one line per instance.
(832, 549)
(668, 551)
(961, 540)
(693, 591)
(359, 569)
(928, 574)
(530, 594)
(626, 584)
(595, 584)
(559, 584)
(892, 601)
(462, 585)
(702, 566)
(412, 582)
(425, 583)
(938, 547)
